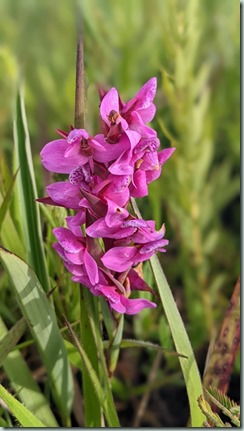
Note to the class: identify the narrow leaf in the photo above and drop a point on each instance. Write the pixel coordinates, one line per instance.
(22, 414)
(100, 392)
(125, 343)
(42, 321)
(7, 200)
(182, 343)
(28, 208)
(23, 383)
(11, 339)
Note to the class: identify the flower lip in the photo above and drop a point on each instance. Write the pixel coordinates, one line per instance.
(134, 223)
(76, 135)
(153, 246)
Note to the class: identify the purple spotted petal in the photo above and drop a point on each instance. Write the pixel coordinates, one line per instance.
(76, 135)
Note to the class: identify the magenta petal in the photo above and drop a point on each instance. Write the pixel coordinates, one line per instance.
(110, 151)
(113, 297)
(99, 229)
(74, 223)
(76, 135)
(91, 268)
(53, 158)
(144, 96)
(134, 306)
(119, 258)
(139, 189)
(68, 240)
(122, 165)
(65, 194)
(148, 113)
(165, 155)
(109, 103)
(138, 125)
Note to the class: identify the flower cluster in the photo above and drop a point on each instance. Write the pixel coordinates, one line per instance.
(103, 241)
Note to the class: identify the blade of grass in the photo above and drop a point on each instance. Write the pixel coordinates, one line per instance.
(182, 343)
(22, 381)
(22, 414)
(91, 400)
(96, 331)
(10, 237)
(26, 195)
(9, 341)
(110, 414)
(7, 200)
(42, 321)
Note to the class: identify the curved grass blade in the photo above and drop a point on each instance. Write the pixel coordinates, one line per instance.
(22, 414)
(25, 386)
(182, 343)
(7, 200)
(92, 406)
(28, 210)
(125, 343)
(9, 341)
(10, 236)
(23, 383)
(42, 321)
(102, 394)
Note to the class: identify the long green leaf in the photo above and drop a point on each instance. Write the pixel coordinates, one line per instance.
(27, 207)
(182, 343)
(109, 406)
(22, 414)
(23, 383)
(91, 402)
(8, 342)
(7, 200)
(102, 394)
(42, 321)
(10, 236)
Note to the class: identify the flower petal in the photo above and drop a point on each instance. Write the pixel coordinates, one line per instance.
(134, 306)
(65, 194)
(91, 268)
(119, 258)
(53, 157)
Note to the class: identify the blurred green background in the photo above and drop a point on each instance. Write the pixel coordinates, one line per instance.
(192, 47)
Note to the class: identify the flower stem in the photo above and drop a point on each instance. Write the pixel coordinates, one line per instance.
(79, 120)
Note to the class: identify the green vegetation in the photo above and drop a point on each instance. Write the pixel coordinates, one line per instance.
(192, 47)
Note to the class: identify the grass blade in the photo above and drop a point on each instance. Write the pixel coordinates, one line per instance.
(91, 401)
(25, 386)
(102, 394)
(7, 200)
(28, 208)
(22, 414)
(42, 321)
(182, 343)
(11, 339)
